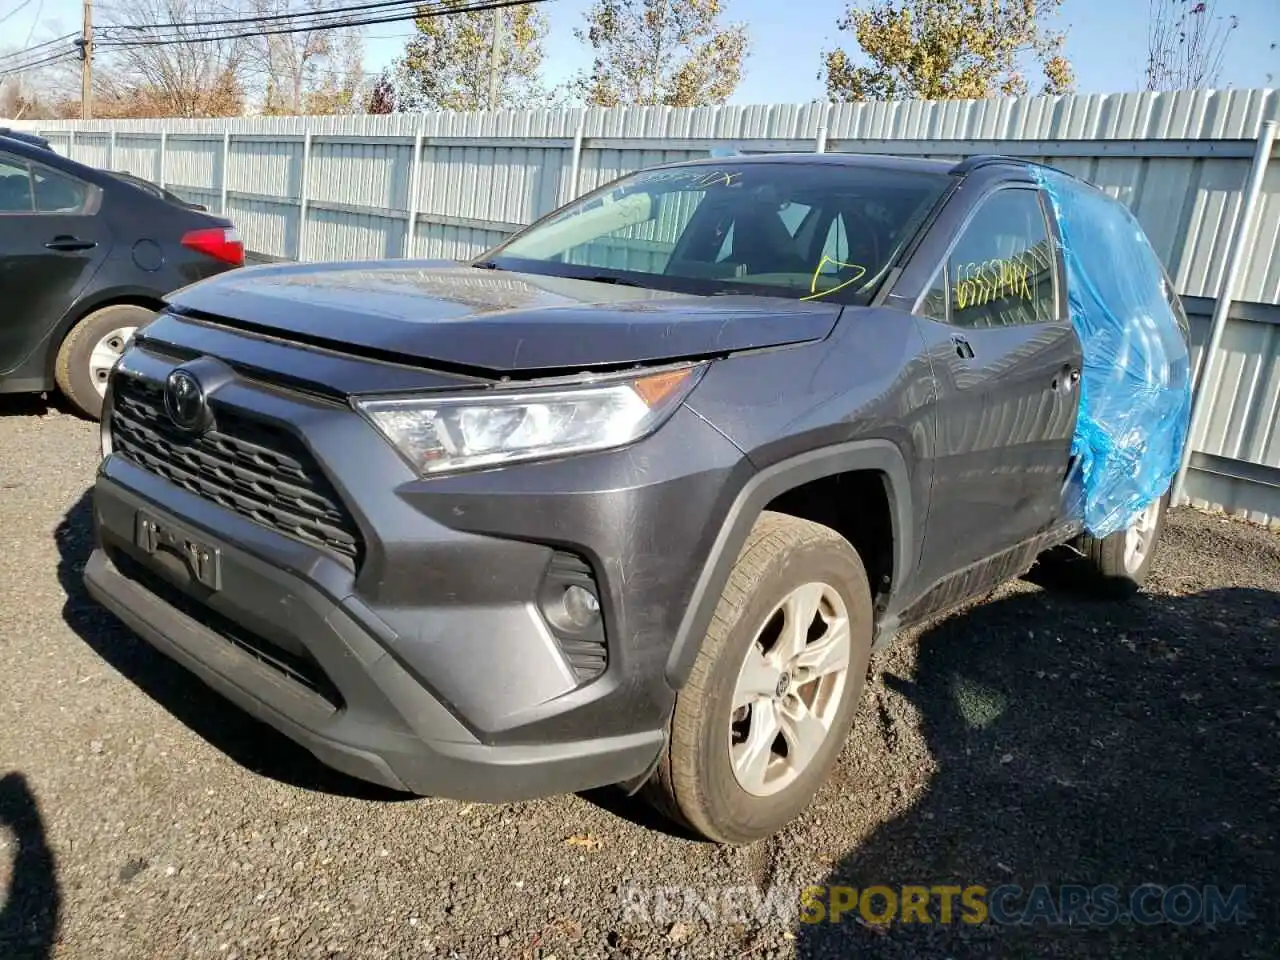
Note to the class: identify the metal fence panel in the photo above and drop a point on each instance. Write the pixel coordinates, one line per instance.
(265, 225)
(266, 166)
(362, 173)
(340, 235)
(139, 155)
(92, 148)
(194, 161)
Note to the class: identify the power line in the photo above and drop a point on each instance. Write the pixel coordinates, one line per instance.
(35, 56)
(326, 21)
(39, 46)
(35, 21)
(56, 58)
(264, 18)
(16, 10)
(331, 19)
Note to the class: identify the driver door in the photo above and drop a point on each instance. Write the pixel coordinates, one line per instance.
(1006, 361)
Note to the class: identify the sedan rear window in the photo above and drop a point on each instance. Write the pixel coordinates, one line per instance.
(803, 230)
(15, 187)
(32, 188)
(58, 194)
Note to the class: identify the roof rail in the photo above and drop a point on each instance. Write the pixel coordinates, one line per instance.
(985, 160)
(992, 159)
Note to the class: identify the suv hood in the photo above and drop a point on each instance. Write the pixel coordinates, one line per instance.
(494, 320)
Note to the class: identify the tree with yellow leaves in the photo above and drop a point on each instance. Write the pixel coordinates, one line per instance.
(674, 53)
(446, 64)
(947, 50)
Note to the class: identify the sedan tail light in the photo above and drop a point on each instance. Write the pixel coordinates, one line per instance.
(221, 243)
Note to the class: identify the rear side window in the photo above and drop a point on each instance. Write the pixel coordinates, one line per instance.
(1001, 272)
(56, 193)
(15, 186)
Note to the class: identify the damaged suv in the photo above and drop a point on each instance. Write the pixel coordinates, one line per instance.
(632, 498)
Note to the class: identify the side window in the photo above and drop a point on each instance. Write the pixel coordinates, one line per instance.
(15, 186)
(934, 304)
(1001, 272)
(56, 193)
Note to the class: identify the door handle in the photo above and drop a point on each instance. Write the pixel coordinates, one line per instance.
(70, 243)
(963, 350)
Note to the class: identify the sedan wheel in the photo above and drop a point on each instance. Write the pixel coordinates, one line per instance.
(85, 358)
(104, 355)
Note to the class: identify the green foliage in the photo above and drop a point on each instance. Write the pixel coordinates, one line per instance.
(947, 50)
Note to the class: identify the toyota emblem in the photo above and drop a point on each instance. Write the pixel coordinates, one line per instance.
(184, 401)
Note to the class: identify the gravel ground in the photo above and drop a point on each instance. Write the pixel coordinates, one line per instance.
(1033, 738)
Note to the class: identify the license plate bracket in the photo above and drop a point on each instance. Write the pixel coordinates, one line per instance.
(202, 560)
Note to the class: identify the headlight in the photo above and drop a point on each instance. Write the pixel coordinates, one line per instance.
(501, 426)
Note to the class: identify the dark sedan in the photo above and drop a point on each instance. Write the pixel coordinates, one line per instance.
(86, 257)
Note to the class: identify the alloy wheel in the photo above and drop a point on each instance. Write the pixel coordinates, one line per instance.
(789, 689)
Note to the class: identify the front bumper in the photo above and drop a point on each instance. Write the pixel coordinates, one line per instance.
(385, 726)
(427, 666)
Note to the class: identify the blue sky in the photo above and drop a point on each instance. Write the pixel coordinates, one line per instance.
(1106, 41)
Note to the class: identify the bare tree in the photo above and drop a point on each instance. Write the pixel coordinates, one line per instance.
(182, 79)
(308, 71)
(1186, 42)
(20, 99)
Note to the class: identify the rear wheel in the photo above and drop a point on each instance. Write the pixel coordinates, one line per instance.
(1120, 563)
(772, 694)
(89, 352)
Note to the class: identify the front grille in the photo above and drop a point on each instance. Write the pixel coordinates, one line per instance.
(258, 470)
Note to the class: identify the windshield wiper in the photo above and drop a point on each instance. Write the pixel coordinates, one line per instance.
(608, 278)
(487, 265)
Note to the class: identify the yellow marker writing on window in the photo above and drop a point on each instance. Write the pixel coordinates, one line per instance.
(817, 272)
(720, 177)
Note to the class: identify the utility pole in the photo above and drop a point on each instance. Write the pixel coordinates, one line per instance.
(85, 43)
(495, 58)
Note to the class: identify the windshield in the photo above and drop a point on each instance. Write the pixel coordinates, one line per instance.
(802, 230)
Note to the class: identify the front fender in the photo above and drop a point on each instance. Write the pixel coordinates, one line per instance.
(881, 456)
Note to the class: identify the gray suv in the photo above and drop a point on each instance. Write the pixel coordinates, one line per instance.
(628, 500)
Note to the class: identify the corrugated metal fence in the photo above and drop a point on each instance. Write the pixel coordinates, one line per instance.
(451, 185)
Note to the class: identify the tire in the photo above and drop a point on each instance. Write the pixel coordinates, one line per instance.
(784, 564)
(79, 369)
(1112, 569)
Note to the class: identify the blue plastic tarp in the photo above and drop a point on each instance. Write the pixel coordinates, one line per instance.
(1135, 397)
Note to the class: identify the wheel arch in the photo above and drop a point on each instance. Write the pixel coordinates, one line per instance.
(881, 457)
(112, 297)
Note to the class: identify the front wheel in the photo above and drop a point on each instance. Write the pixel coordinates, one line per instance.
(772, 694)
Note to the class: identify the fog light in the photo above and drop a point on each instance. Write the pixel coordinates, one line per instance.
(581, 608)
